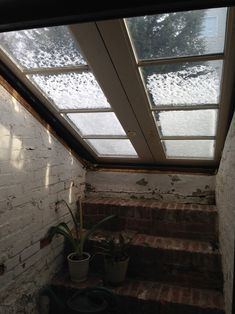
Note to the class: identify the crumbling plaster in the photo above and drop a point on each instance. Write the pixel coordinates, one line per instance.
(183, 188)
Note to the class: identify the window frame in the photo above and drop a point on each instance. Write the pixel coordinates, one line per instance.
(22, 73)
(130, 65)
(108, 69)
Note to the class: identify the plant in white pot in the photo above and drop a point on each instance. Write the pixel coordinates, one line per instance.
(78, 260)
(116, 257)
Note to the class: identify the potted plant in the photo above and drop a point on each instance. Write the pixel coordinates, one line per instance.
(78, 260)
(116, 257)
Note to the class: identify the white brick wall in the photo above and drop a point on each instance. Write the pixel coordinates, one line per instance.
(36, 170)
(225, 199)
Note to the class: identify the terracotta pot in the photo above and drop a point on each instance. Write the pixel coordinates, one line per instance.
(78, 269)
(115, 272)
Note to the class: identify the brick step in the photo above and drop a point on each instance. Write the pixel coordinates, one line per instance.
(187, 262)
(147, 297)
(192, 221)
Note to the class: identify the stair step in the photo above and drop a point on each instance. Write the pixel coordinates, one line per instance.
(188, 262)
(192, 221)
(147, 297)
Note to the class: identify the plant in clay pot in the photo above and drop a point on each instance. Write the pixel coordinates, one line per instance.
(78, 260)
(115, 248)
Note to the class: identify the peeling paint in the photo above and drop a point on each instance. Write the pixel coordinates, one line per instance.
(175, 178)
(89, 188)
(189, 188)
(142, 182)
(198, 192)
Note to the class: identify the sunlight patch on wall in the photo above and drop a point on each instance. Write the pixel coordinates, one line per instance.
(47, 175)
(11, 148)
(49, 137)
(17, 155)
(16, 104)
(71, 191)
(71, 158)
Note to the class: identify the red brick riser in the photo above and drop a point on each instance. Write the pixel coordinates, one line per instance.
(192, 221)
(184, 262)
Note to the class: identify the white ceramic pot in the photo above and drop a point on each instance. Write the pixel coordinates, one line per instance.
(78, 269)
(115, 272)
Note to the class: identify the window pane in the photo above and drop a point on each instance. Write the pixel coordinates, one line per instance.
(187, 123)
(178, 34)
(97, 123)
(72, 90)
(113, 147)
(183, 83)
(179, 149)
(43, 47)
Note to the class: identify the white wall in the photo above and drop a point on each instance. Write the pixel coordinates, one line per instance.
(36, 170)
(225, 199)
(182, 188)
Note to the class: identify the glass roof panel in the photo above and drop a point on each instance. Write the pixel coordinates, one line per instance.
(113, 147)
(97, 123)
(172, 35)
(180, 84)
(186, 149)
(72, 90)
(50, 58)
(187, 123)
(47, 47)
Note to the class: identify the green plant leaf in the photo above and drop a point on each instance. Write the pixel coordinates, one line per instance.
(75, 222)
(81, 237)
(88, 233)
(62, 230)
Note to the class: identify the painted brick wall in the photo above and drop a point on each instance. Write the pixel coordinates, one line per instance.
(225, 199)
(36, 170)
(181, 188)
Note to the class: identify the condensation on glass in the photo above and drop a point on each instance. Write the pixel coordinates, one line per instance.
(47, 47)
(189, 149)
(170, 84)
(113, 147)
(158, 42)
(51, 59)
(97, 123)
(187, 123)
(72, 90)
(180, 84)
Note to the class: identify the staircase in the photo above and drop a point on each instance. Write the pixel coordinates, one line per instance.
(175, 264)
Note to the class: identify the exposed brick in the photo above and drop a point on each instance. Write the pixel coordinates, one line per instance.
(165, 293)
(176, 294)
(36, 171)
(157, 218)
(186, 296)
(44, 242)
(152, 296)
(181, 261)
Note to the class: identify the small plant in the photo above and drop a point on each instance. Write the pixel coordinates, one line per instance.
(79, 236)
(115, 247)
(116, 257)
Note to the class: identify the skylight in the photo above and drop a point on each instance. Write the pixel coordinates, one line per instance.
(160, 42)
(148, 89)
(51, 59)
